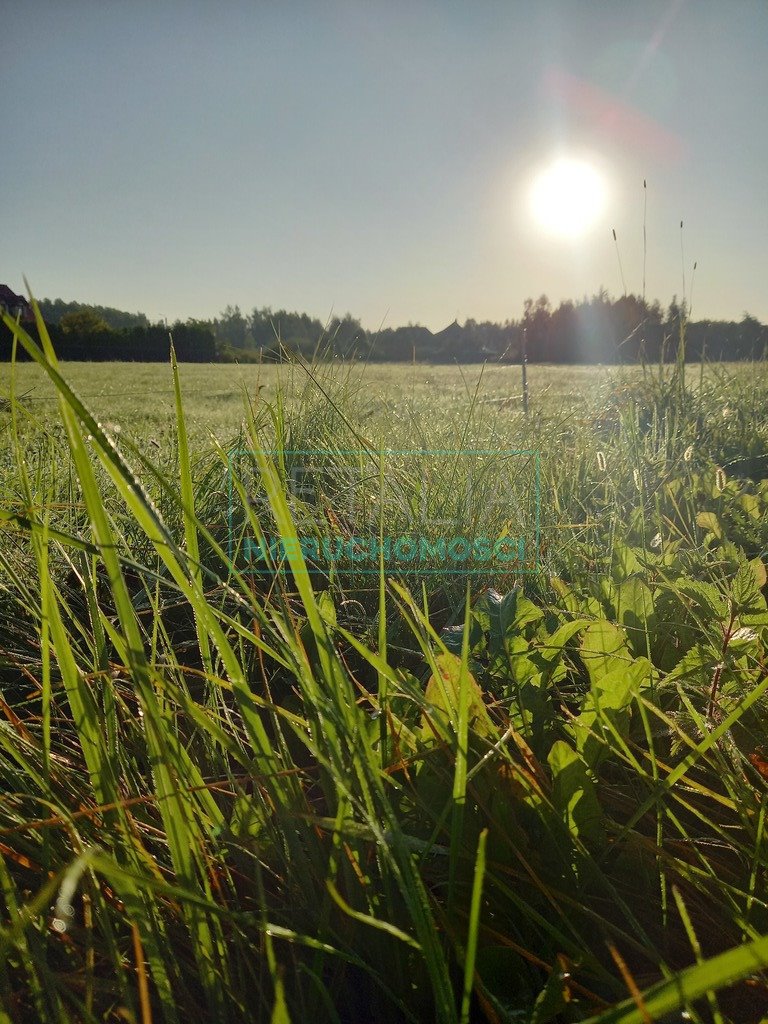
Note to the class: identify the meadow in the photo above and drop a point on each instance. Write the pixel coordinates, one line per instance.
(285, 795)
(139, 397)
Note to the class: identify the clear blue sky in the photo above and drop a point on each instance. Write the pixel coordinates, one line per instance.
(177, 156)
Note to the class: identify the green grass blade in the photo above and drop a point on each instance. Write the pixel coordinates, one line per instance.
(474, 928)
(691, 984)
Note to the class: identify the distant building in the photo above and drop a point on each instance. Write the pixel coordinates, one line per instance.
(15, 305)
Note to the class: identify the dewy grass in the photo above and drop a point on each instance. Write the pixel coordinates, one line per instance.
(287, 796)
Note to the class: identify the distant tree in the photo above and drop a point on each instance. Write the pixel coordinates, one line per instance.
(674, 326)
(346, 337)
(83, 321)
(232, 328)
(401, 344)
(537, 322)
(194, 341)
(677, 312)
(54, 310)
(277, 332)
(565, 333)
(752, 338)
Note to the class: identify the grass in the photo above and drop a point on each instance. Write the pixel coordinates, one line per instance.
(139, 397)
(287, 796)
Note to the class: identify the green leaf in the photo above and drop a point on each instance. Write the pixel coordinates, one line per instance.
(709, 521)
(442, 698)
(625, 562)
(190, 520)
(634, 602)
(751, 505)
(369, 920)
(607, 710)
(280, 1013)
(696, 664)
(704, 597)
(747, 596)
(505, 615)
(516, 611)
(453, 637)
(603, 649)
(574, 795)
(551, 647)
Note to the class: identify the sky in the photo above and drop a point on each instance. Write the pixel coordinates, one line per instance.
(329, 156)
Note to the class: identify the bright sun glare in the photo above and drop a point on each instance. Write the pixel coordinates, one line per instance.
(568, 197)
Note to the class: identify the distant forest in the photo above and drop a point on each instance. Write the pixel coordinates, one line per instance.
(600, 329)
(102, 334)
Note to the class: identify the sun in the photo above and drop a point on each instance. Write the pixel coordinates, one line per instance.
(568, 197)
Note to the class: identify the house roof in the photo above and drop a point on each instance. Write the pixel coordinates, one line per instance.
(451, 331)
(9, 298)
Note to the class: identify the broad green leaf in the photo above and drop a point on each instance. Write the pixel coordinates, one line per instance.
(696, 665)
(603, 649)
(505, 615)
(625, 562)
(552, 646)
(761, 575)
(442, 701)
(634, 602)
(607, 707)
(573, 793)
(709, 521)
(751, 505)
(747, 595)
(705, 598)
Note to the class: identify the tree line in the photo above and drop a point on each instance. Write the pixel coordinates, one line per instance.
(102, 334)
(600, 329)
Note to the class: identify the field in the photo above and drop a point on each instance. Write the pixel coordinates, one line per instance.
(534, 791)
(140, 396)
